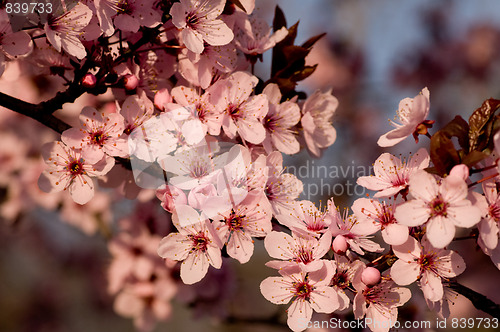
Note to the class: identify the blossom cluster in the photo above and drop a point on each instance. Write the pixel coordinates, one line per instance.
(181, 123)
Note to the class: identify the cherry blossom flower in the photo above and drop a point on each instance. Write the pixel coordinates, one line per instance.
(306, 218)
(200, 107)
(197, 246)
(381, 215)
(345, 271)
(490, 206)
(443, 206)
(135, 110)
(242, 114)
(392, 174)
(279, 122)
(255, 36)
(67, 169)
(379, 303)
(197, 20)
(356, 232)
(282, 189)
(236, 227)
(65, 31)
(99, 134)
(307, 291)
(147, 302)
(317, 113)
(412, 113)
(426, 263)
(304, 251)
(12, 43)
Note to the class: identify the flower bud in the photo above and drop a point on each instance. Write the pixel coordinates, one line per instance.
(340, 244)
(162, 97)
(171, 196)
(370, 276)
(130, 82)
(89, 80)
(461, 171)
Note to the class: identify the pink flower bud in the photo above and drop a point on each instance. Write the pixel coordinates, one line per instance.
(162, 98)
(89, 80)
(370, 276)
(461, 171)
(340, 244)
(130, 82)
(171, 196)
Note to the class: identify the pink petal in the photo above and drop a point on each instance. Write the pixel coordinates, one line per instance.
(462, 214)
(324, 299)
(395, 136)
(193, 40)
(412, 213)
(17, 43)
(276, 290)
(431, 286)
(408, 251)
(404, 273)
(279, 245)
(395, 234)
(488, 231)
(126, 22)
(82, 189)
(240, 246)
(299, 313)
(194, 268)
(174, 246)
(440, 231)
(423, 186)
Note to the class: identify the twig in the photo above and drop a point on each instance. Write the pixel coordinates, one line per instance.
(479, 301)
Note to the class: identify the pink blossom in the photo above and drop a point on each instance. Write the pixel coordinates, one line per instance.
(131, 15)
(279, 121)
(392, 174)
(197, 246)
(67, 169)
(170, 197)
(197, 20)
(355, 232)
(13, 43)
(381, 216)
(345, 272)
(236, 227)
(490, 207)
(306, 218)
(379, 304)
(282, 189)
(307, 291)
(426, 263)
(412, 113)
(199, 107)
(135, 110)
(317, 113)
(242, 114)
(147, 302)
(99, 134)
(66, 30)
(303, 250)
(443, 206)
(255, 37)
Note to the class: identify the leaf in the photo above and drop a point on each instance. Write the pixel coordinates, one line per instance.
(478, 123)
(311, 41)
(238, 4)
(473, 158)
(279, 20)
(442, 150)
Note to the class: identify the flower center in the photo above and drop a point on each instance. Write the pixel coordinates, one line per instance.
(98, 138)
(199, 242)
(386, 216)
(340, 279)
(438, 207)
(192, 20)
(303, 255)
(198, 170)
(234, 111)
(303, 290)
(234, 222)
(75, 168)
(494, 211)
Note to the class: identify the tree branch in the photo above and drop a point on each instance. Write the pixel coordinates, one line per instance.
(479, 301)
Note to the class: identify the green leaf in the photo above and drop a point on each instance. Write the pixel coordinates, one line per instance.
(478, 124)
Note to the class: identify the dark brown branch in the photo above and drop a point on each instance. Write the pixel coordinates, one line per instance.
(479, 301)
(32, 111)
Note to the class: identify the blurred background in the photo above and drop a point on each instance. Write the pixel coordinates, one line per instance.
(53, 274)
